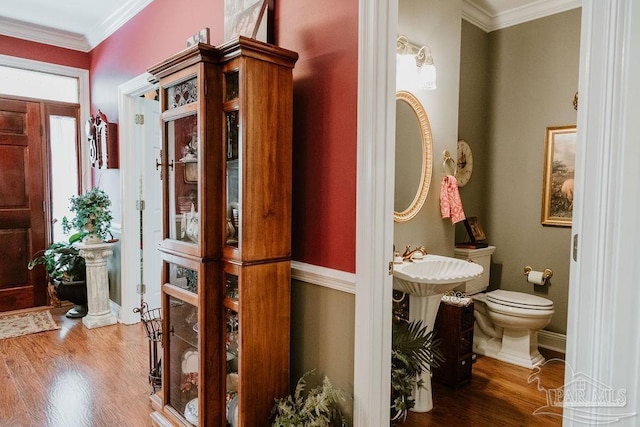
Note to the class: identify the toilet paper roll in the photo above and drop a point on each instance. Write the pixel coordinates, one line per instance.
(536, 277)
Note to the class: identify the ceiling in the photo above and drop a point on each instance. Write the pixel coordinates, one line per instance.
(73, 24)
(83, 24)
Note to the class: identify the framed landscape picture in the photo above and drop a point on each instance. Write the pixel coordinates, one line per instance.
(558, 178)
(249, 18)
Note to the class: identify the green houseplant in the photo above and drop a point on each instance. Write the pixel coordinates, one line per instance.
(67, 274)
(413, 351)
(318, 407)
(92, 216)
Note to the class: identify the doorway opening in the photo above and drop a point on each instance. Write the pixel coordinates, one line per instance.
(141, 196)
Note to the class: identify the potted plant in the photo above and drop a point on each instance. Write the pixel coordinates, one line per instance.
(67, 274)
(93, 216)
(413, 351)
(318, 407)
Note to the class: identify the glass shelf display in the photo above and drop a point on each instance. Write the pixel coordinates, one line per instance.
(231, 281)
(183, 278)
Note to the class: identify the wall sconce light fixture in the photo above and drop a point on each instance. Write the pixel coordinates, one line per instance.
(414, 66)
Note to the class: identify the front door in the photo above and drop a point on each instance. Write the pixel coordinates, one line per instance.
(22, 207)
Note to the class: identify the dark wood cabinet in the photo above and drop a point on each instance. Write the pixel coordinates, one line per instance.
(226, 167)
(454, 326)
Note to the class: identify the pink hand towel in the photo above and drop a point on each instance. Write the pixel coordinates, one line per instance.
(450, 203)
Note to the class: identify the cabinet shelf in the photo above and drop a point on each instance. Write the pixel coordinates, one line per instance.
(231, 304)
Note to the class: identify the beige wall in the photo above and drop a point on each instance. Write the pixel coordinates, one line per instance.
(533, 75)
(322, 335)
(435, 23)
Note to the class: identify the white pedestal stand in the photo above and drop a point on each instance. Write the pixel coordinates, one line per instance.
(424, 308)
(99, 312)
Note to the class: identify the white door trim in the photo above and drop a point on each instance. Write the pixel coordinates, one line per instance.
(603, 291)
(378, 20)
(129, 192)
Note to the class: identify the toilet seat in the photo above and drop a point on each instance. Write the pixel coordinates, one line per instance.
(519, 300)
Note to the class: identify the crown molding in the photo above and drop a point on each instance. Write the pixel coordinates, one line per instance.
(40, 34)
(116, 20)
(488, 22)
(69, 40)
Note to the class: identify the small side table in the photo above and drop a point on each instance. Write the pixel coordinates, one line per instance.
(454, 325)
(99, 312)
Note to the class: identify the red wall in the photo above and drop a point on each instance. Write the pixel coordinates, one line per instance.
(45, 53)
(325, 34)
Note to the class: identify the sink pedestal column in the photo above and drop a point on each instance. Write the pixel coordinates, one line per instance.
(95, 256)
(425, 309)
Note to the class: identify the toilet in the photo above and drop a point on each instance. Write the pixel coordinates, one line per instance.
(507, 322)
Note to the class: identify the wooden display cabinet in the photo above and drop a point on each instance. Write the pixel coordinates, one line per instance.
(226, 168)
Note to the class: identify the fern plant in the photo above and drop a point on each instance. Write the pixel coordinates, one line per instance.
(413, 351)
(318, 407)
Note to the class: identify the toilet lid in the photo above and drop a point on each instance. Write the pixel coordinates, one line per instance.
(518, 299)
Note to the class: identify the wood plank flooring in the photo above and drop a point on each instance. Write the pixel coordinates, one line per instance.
(498, 395)
(79, 377)
(75, 377)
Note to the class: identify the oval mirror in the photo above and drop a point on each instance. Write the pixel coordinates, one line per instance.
(414, 146)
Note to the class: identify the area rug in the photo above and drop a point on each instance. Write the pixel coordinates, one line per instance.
(15, 325)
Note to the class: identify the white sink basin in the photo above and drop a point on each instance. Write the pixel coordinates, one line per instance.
(433, 274)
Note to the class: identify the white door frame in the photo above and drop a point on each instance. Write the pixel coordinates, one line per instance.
(130, 193)
(378, 21)
(603, 290)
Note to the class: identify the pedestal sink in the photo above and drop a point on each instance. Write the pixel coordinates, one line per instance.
(426, 280)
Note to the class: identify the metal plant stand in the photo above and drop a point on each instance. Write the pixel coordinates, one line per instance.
(152, 321)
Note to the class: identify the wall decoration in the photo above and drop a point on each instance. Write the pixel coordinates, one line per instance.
(201, 36)
(249, 18)
(464, 163)
(559, 171)
(102, 139)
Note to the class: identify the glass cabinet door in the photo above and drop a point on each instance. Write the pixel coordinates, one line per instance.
(182, 345)
(232, 148)
(182, 145)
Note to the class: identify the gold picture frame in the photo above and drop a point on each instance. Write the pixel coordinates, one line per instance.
(558, 177)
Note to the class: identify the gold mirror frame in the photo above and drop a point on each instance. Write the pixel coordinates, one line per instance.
(427, 157)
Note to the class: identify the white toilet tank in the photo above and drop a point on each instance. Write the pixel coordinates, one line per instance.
(481, 256)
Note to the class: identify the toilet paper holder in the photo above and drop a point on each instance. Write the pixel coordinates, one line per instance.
(546, 273)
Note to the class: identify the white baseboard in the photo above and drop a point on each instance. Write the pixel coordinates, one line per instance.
(552, 341)
(322, 276)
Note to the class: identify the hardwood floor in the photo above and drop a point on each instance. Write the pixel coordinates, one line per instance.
(498, 395)
(75, 377)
